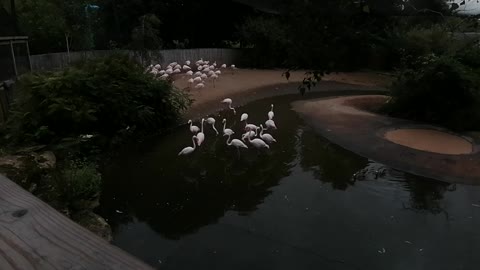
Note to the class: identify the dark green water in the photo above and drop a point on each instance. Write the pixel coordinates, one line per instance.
(295, 206)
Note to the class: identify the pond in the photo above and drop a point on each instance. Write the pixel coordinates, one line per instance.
(295, 206)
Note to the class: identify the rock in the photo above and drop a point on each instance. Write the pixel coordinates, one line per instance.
(86, 204)
(27, 150)
(94, 223)
(45, 160)
(15, 161)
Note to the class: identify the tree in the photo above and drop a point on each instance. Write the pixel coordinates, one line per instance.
(146, 36)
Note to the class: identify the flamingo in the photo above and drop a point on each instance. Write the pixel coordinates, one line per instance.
(250, 134)
(161, 72)
(189, 73)
(197, 79)
(266, 137)
(193, 129)
(178, 67)
(164, 76)
(199, 68)
(199, 86)
(173, 64)
(188, 150)
(233, 66)
(226, 131)
(177, 71)
(218, 72)
(271, 114)
(248, 126)
(190, 82)
(211, 121)
(198, 74)
(187, 62)
(210, 72)
(204, 76)
(206, 70)
(214, 77)
(224, 66)
(270, 124)
(157, 66)
(257, 143)
(169, 71)
(185, 67)
(229, 102)
(236, 142)
(201, 135)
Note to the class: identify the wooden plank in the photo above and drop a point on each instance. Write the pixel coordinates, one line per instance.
(35, 236)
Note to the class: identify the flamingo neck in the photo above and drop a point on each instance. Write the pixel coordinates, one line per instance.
(194, 144)
(229, 143)
(202, 125)
(224, 125)
(261, 131)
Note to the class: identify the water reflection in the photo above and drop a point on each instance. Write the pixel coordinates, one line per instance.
(258, 203)
(178, 195)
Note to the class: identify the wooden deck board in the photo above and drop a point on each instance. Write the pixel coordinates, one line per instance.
(33, 235)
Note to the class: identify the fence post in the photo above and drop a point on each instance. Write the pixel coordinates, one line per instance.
(13, 58)
(28, 56)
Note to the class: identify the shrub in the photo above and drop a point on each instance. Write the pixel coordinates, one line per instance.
(102, 96)
(79, 180)
(440, 90)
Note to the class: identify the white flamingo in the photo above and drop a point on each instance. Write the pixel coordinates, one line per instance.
(177, 67)
(248, 126)
(201, 135)
(271, 114)
(185, 67)
(227, 131)
(204, 76)
(206, 70)
(189, 73)
(188, 150)
(193, 129)
(270, 124)
(190, 82)
(210, 72)
(214, 78)
(197, 79)
(224, 66)
(211, 121)
(257, 143)
(236, 142)
(251, 134)
(157, 66)
(187, 62)
(218, 72)
(164, 76)
(173, 64)
(200, 86)
(266, 137)
(177, 71)
(229, 102)
(161, 72)
(199, 68)
(169, 71)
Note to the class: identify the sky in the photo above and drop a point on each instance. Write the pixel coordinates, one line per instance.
(471, 7)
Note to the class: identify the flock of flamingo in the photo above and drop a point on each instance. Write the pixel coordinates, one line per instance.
(250, 135)
(204, 72)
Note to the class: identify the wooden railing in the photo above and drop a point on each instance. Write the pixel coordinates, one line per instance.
(33, 235)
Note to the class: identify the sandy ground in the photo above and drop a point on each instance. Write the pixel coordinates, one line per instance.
(406, 145)
(421, 139)
(430, 140)
(245, 80)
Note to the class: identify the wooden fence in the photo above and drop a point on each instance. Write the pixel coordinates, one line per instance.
(61, 60)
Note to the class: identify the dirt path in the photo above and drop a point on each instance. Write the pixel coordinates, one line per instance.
(244, 83)
(442, 155)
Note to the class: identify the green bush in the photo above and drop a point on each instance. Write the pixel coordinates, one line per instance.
(440, 90)
(79, 180)
(102, 96)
